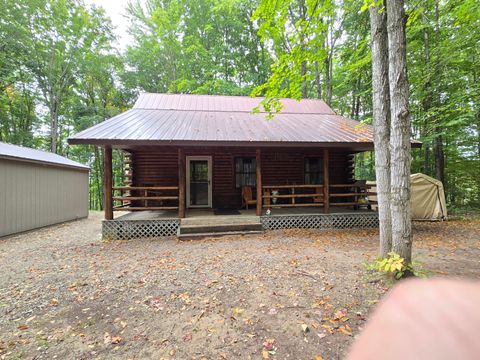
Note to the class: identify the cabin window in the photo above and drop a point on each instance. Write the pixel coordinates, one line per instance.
(313, 170)
(245, 168)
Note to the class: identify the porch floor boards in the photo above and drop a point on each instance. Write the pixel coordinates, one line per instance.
(202, 216)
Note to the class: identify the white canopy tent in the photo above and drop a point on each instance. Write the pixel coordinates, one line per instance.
(427, 198)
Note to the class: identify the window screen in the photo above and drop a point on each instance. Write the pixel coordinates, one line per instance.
(313, 170)
(245, 172)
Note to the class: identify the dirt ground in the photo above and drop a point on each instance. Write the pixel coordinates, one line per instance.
(64, 294)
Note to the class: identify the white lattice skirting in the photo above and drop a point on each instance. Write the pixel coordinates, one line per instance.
(320, 221)
(136, 229)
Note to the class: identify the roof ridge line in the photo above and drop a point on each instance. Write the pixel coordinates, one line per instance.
(239, 111)
(233, 96)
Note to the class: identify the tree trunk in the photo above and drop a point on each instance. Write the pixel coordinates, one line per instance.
(304, 81)
(399, 131)
(478, 154)
(426, 159)
(354, 113)
(428, 95)
(303, 70)
(328, 80)
(53, 125)
(381, 124)
(328, 69)
(439, 156)
(318, 83)
(438, 141)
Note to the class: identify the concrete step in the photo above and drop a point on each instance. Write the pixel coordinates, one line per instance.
(199, 236)
(219, 228)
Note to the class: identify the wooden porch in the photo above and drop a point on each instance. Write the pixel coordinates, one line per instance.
(201, 223)
(277, 177)
(209, 216)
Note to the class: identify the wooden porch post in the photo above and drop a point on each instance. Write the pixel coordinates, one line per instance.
(258, 161)
(326, 182)
(107, 183)
(181, 183)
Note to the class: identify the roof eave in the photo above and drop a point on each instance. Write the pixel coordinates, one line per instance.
(361, 145)
(45, 163)
(126, 143)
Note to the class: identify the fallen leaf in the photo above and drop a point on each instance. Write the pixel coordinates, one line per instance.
(268, 344)
(107, 338)
(237, 311)
(22, 327)
(340, 314)
(116, 340)
(345, 329)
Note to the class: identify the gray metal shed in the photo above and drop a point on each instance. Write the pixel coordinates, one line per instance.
(38, 188)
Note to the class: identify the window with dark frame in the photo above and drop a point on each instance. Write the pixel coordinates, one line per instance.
(313, 171)
(245, 168)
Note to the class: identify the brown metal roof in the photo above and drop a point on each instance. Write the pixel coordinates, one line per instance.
(226, 120)
(14, 152)
(225, 104)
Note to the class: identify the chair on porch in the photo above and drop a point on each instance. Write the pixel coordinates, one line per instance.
(360, 200)
(247, 197)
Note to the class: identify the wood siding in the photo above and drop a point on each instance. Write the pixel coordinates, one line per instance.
(32, 195)
(159, 166)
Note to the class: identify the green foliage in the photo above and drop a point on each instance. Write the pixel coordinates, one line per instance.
(57, 63)
(396, 266)
(203, 47)
(60, 71)
(443, 62)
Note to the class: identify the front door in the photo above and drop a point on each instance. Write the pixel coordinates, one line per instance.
(199, 180)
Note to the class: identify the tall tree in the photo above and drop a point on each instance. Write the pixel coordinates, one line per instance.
(60, 33)
(400, 132)
(381, 123)
(196, 46)
(438, 143)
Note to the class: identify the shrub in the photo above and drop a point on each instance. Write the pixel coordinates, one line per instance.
(396, 266)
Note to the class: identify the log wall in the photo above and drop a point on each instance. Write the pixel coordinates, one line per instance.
(159, 166)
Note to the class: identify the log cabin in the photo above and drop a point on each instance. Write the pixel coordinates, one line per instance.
(184, 153)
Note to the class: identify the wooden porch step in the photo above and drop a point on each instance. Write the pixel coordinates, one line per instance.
(219, 228)
(198, 236)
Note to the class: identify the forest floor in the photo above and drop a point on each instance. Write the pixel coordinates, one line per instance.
(283, 295)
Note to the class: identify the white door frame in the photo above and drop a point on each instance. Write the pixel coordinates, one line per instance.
(209, 162)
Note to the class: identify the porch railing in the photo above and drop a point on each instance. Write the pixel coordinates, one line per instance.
(277, 196)
(355, 194)
(141, 198)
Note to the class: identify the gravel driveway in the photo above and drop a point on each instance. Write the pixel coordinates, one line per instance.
(290, 294)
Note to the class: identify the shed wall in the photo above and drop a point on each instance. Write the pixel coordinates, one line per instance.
(33, 195)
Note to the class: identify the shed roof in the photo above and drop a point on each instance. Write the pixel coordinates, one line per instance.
(15, 152)
(157, 119)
